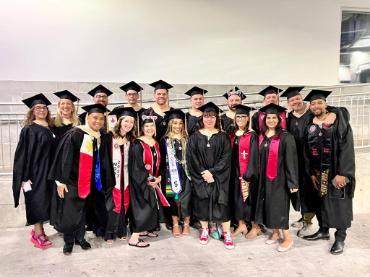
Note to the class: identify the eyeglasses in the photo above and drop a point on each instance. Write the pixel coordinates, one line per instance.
(41, 108)
(241, 116)
(101, 96)
(209, 116)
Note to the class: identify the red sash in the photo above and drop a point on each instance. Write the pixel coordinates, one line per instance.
(148, 162)
(261, 116)
(273, 157)
(244, 154)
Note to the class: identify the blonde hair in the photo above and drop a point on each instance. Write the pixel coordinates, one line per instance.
(58, 121)
(30, 117)
(184, 133)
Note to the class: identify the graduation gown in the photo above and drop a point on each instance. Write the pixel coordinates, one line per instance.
(117, 221)
(192, 123)
(160, 122)
(309, 200)
(244, 210)
(273, 201)
(144, 206)
(336, 206)
(32, 160)
(210, 201)
(179, 203)
(227, 124)
(68, 213)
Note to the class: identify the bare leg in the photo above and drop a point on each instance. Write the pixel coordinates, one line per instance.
(186, 230)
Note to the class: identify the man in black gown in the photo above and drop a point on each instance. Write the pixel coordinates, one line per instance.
(234, 97)
(192, 116)
(330, 161)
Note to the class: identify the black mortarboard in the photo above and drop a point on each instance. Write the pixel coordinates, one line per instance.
(95, 108)
(36, 99)
(123, 111)
(291, 92)
(100, 89)
(242, 109)
(270, 90)
(65, 94)
(195, 91)
(317, 94)
(234, 91)
(175, 113)
(131, 86)
(160, 84)
(210, 107)
(272, 108)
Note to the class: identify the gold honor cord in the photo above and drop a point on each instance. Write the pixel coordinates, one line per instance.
(324, 182)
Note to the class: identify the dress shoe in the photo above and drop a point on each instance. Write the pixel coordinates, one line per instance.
(318, 235)
(83, 243)
(67, 249)
(337, 248)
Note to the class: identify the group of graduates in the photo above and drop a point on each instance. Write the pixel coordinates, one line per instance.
(127, 170)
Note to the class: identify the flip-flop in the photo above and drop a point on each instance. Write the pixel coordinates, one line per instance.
(138, 245)
(149, 235)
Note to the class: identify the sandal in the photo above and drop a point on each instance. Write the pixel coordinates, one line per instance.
(176, 230)
(137, 244)
(109, 242)
(240, 230)
(186, 229)
(149, 235)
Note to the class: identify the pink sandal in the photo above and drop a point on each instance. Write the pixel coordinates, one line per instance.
(40, 241)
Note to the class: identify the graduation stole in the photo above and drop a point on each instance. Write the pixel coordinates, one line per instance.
(173, 169)
(273, 157)
(120, 161)
(85, 166)
(148, 162)
(243, 155)
(261, 116)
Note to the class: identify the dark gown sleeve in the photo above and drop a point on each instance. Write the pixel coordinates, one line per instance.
(107, 172)
(255, 124)
(22, 161)
(224, 163)
(139, 174)
(163, 165)
(290, 161)
(252, 171)
(306, 153)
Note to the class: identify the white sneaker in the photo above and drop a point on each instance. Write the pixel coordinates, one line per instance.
(228, 241)
(204, 236)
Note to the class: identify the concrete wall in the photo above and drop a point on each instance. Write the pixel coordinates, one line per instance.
(193, 41)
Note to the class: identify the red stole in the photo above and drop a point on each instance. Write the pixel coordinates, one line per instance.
(148, 162)
(261, 116)
(85, 166)
(244, 149)
(273, 157)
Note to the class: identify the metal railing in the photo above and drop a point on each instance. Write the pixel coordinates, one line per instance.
(355, 98)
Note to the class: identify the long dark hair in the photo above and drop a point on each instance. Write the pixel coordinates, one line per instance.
(217, 125)
(278, 128)
(130, 136)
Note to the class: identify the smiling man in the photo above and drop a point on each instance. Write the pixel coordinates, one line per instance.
(193, 115)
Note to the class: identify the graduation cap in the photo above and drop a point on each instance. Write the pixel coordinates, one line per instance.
(242, 109)
(175, 114)
(65, 94)
(270, 90)
(131, 86)
(272, 108)
(95, 108)
(210, 107)
(234, 91)
(195, 91)
(124, 111)
(36, 99)
(291, 92)
(160, 84)
(100, 89)
(317, 94)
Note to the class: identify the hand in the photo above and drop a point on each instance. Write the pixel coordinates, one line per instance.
(293, 190)
(154, 182)
(340, 180)
(315, 182)
(207, 176)
(61, 188)
(330, 118)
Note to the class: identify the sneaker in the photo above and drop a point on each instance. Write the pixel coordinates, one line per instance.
(215, 231)
(228, 241)
(305, 230)
(40, 241)
(204, 236)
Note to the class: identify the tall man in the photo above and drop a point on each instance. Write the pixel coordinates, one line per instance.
(270, 95)
(330, 161)
(157, 111)
(76, 170)
(234, 97)
(193, 115)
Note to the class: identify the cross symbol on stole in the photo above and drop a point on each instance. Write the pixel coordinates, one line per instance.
(244, 154)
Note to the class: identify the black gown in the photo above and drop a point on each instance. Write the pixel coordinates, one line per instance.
(336, 205)
(179, 204)
(144, 206)
(227, 124)
(210, 201)
(69, 212)
(192, 123)
(32, 162)
(116, 222)
(273, 202)
(244, 210)
(160, 122)
(309, 199)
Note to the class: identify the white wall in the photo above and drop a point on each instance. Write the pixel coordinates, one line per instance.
(193, 41)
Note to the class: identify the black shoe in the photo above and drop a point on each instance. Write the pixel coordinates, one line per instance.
(83, 243)
(337, 248)
(318, 235)
(67, 249)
